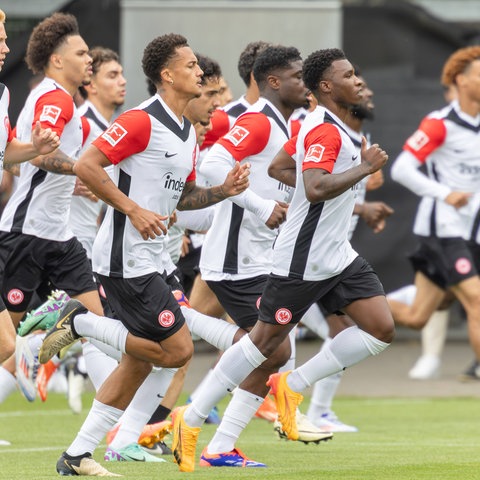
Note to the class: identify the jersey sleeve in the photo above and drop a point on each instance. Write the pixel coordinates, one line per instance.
(85, 130)
(10, 130)
(193, 174)
(129, 134)
(429, 136)
(248, 136)
(220, 127)
(322, 146)
(291, 146)
(54, 110)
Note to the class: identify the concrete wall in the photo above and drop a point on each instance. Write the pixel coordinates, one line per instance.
(221, 29)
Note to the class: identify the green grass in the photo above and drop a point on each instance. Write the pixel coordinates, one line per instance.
(398, 439)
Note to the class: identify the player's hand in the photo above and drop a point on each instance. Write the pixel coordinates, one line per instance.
(278, 216)
(44, 140)
(458, 199)
(149, 224)
(81, 190)
(375, 180)
(374, 215)
(374, 157)
(237, 180)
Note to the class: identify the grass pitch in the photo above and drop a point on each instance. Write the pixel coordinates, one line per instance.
(407, 439)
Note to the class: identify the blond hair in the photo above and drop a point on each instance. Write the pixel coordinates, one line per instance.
(3, 17)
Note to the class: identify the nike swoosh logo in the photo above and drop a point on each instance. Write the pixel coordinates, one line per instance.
(60, 323)
(135, 459)
(168, 155)
(354, 157)
(159, 396)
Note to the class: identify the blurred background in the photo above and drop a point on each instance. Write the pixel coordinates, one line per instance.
(399, 45)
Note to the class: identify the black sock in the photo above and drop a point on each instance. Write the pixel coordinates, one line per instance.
(160, 414)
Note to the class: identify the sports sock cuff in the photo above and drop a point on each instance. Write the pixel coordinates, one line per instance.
(252, 353)
(374, 345)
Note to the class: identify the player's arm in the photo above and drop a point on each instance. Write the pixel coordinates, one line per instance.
(43, 141)
(195, 197)
(283, 167)
(322, 147)
(248, 136)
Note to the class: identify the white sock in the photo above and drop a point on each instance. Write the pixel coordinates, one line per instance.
(404, 295)
(99, 421)
(106, 330)
(216, 332)
(239, 412)
(107, 349)
(233, 367)
(315, 321)
(98, 365)
(434, 334)
(290, 365)
(8, 384)
(323, 391)
(349, 347)
(142, 406)
(205, 379)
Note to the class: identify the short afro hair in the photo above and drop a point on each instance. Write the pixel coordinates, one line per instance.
(273, 57)
(46, 37)
(159, 52)
(211, 68)
(458, 63)
(317, 63)
(247, 59)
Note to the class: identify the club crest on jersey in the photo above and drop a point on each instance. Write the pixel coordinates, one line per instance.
(463, 266)
(114, 134)
(314, 153)
(166, 318)
(236, 135)
(283, 316)
(418, 140)
(15, 296)
(50, 113)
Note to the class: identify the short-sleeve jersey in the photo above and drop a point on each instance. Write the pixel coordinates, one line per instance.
(153, 153)
(313, 242)
(223, 120)
(238, 242)
(448, 143)
(83, 212)
(40, 206)
(6, 134)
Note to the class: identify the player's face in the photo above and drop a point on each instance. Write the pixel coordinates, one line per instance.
(469, 81)
(75, 61)
(200, 109)
(108, 84)
(293, 92)
(184, 71)
(201, 130)
(366, 107)
(346, 87)
(225, 93)
(3, 45)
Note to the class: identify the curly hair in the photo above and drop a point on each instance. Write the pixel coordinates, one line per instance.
(247, 59)
(317, 63)
(273, 58)
(46, 37)
(211, 68)
(458, 63)
(159, 52)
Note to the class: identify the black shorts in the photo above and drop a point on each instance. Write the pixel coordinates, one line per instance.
(445, 261)
(285, 300)
(27, 262)
(240, 298)
(145, 305)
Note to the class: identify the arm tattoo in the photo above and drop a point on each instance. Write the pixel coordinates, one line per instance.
(194, 197)
(13, 168)
(57, 162)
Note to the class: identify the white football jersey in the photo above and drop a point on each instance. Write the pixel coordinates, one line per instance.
(239, 244)
(447, 142)
(154, 157)
(5, 130)
(40, 205)
(83, 212)
(313, 243)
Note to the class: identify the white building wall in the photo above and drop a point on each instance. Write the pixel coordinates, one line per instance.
(221, 29)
